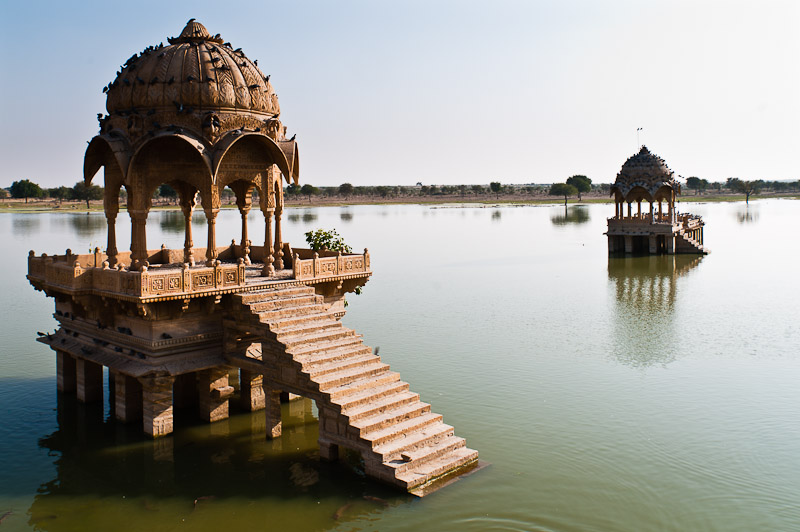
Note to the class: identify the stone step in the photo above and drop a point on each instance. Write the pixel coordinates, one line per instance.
(391, 417)
(307, 328)
(379, 404)
(274, 293)
(315, 350)
(427, 471)
(284, 306)
(315, 371)
(329, 356)
(346, 376)
(321, 335)
(413, 460)
(360, 385)
(399, 430)
(414, 440)
(282, 324)
(365, 396)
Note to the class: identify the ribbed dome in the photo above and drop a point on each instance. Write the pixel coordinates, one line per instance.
(645, 170)
(196, 72)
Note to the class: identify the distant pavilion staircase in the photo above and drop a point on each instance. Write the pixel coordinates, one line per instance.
(686, 244)
(304, 349)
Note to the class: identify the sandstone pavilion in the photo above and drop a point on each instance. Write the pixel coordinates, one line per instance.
(174, 325)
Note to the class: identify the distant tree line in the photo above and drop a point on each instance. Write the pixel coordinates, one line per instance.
(576, 185)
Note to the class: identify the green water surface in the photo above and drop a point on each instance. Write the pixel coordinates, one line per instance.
(624, 394)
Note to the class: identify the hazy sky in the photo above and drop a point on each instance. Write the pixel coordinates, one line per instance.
(441, 92)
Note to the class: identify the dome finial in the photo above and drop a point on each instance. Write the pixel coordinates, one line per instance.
(194, 32)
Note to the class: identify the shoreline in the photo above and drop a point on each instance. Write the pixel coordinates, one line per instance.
(19, 206)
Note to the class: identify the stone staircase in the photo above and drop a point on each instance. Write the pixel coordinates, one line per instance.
(363, 405)
(686, 244)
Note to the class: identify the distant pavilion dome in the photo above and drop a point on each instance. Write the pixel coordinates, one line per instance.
(645, 171)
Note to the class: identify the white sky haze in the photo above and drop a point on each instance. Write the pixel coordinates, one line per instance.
(442, 92)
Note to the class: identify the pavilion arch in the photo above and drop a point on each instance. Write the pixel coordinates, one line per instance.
(637, 194)
(251, 145)
(113, 155)
(164, 158)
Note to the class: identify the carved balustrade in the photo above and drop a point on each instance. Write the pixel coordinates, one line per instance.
(328, 264)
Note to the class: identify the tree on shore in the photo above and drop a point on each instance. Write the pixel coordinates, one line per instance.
(167, 192)
(87, 193)
(581, 183)
(696, 184)
(60, 193)
(3, 193)
(745, 187)
(496, 187)
(25, 189)
(477, 189)
(309, 190)
(346, 190)
(563, 189)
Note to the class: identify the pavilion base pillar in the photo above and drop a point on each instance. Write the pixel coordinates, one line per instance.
(213, 392)
(653, 241)
(89, 381)
(670, 245)
(251, 386)
(272, 412)
(628, 244)
(184, 392)
(128, 398)
(328, 451)
(66, 371)
(157, 411)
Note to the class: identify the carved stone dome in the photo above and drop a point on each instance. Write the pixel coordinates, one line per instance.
(195, 71)
(645, 170)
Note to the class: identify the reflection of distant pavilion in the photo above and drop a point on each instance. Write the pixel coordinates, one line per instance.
(645, 290)
(646, 176)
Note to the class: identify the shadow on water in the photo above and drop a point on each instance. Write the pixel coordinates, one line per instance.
(645, 289)
(172, 222)
(87, 225)
(203, 473)
(747, 214)
(346, 216)
(26, 225)
(578, 214)
(497, 215)
(306, 217)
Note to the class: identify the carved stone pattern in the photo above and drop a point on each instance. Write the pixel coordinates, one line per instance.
(202, 280)
(157, 285)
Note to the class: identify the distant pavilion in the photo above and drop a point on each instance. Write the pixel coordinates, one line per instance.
(646, 177)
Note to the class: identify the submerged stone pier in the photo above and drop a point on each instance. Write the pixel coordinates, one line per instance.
(172, 324)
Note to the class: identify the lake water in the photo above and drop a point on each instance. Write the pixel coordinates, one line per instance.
(638, 394)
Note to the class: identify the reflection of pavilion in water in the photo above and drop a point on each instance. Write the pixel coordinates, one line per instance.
(110, 460)
(645, 290)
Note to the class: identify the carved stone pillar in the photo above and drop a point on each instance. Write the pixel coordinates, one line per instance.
(211, 249)
(272, 412)
(252, 390)
(187, 207)
(245, 239)
(66, 371)
(128, 398)
(111, 246)
(628, 244)
(278, 213)
(213, 393)
(89, 381)
(157, 411)
(630, 211)
(138, 239)
(269, 269)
